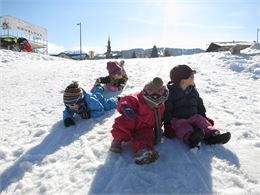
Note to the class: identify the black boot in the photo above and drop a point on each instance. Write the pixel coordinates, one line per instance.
(218, 138)
(118, 98)
(196, 137)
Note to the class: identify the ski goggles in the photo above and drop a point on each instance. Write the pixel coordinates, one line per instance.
(156, 99)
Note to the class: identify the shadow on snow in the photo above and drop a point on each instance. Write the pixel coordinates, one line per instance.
(178, 171)
(58, 137)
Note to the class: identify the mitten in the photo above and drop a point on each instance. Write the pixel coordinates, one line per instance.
(84, 115)
(211, 121)
(169, 131)
(68, 122)
(128, 112)
(121, 87)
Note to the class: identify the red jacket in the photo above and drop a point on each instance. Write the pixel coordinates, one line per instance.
(145, 115)
(27, 47)
(141, 129)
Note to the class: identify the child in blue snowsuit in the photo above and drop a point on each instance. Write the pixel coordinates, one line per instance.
(77, 101)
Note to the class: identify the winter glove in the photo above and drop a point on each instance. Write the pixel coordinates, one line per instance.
(211, 121)
(98, 81)
(128, 112)
(84, 112)
(168, 130)
(68, 122)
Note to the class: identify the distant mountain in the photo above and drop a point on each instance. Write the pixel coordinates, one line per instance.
(74, 52)
(129, 53)
(75, 55)
(139, 52)
(147, 52)
(178, 51)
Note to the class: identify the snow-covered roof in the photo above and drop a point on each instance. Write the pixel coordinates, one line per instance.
(232, 43)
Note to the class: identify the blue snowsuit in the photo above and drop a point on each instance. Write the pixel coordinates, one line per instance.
(95, 102)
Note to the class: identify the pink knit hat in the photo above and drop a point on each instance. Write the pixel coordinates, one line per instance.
(113, 68)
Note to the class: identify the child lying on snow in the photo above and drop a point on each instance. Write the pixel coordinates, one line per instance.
(184, 115)
(77, 101)
(138, 121)
(117, 77)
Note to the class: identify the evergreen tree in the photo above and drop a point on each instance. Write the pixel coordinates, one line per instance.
(154, 52)
(134, 55)
(166, 52)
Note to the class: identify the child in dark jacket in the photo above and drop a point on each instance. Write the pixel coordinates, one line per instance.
(78, 101)
(138, 121)
(117, 78)
(185, 114)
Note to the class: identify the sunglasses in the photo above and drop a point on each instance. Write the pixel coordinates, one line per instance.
(71, 105)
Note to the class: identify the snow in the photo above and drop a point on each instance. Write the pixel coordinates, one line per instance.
(38, 155)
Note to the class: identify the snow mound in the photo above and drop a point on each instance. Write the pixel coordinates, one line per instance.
(255, 46)
(38, 155)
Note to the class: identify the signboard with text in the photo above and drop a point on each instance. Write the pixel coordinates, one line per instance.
(38, 33)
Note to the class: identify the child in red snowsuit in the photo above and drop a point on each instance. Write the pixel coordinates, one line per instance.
(138, 121)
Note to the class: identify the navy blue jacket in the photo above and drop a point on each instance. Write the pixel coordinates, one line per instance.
(182, 103)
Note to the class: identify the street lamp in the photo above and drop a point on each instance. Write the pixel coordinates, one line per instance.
(257, 34)
(80, 38)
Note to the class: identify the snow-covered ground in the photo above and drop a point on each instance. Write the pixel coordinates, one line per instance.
(38, 155)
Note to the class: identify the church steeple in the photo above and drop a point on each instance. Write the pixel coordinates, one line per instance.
(109, 52)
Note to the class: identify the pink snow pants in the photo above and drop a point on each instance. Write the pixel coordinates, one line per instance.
(112, 88)
(184, 127)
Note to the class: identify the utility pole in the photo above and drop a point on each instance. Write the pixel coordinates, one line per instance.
(80, 38)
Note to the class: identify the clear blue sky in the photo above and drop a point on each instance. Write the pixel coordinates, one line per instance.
(139, 23)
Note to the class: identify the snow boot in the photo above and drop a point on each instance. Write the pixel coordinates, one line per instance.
(146, 156)
(118, 98)
(218, 138)
(196, 137)
(116, 146)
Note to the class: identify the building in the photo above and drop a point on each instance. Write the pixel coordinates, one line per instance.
(235, 46)
(12, 27)
(72, 55)
(109, 51)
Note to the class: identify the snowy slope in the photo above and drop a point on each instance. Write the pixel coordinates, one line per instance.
(38, 155)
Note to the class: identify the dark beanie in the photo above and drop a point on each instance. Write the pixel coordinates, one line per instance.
(73, 94)
(180, 72)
